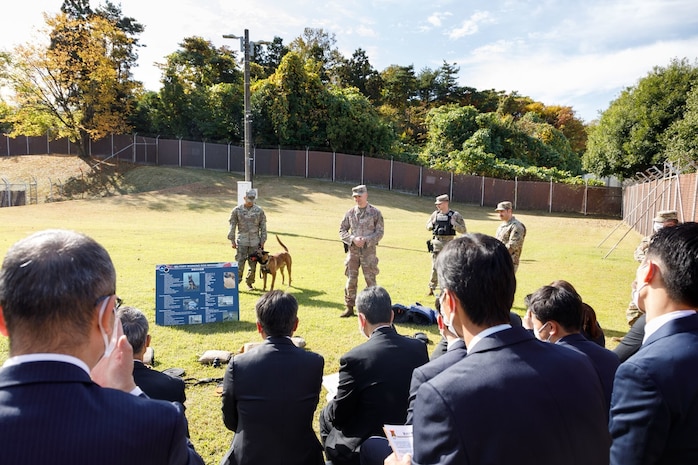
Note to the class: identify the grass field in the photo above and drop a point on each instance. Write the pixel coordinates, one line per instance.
(170, 215)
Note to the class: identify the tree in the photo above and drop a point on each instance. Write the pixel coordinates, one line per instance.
(318, 46)
(202, 93)
(448, 127)
(358, 72)
(632, 133)
(682, 143)
(78, 85)
(269, 57)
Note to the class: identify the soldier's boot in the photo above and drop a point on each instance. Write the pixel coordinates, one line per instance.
(431, 292)
(349, 311)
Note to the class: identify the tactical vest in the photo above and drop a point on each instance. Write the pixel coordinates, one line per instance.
(442, 224)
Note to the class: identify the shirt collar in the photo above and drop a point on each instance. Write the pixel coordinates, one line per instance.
(659, 321)
(46, 357)
(486, 332)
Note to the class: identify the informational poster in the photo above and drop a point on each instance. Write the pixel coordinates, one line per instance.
(196, 294)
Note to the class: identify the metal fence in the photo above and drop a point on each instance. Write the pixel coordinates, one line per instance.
(336, 167)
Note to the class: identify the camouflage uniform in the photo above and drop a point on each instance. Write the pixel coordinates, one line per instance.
(251, 223)
(368, 223)
(512, 234)
(438, 241)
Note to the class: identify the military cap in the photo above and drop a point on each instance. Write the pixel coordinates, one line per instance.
(441, 198)
(501, 206)
(666, 215)
(358, 190)
(251, 194)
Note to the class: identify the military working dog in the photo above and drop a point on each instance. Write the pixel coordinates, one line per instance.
(271, 263)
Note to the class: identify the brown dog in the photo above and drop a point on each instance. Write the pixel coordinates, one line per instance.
(271, 263)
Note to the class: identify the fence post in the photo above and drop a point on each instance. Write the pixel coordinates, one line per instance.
(157, 150)
(550, 198)
(482, 192)
(450, 188)
(229, 156)
(203, 156)
(585, 200)
(390, 182)
(306, 162)
(48, 139)
(421, 170)
(26, 141)
(362, 167)
(334, 165)
(179, 156)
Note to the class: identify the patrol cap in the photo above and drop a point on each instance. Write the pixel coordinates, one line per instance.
(666, 215)
(501, 206)
(359, 190)
(251, 194)
(441, 198)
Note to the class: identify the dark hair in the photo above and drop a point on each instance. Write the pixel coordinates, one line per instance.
(50, 283)
(676, 251)
(589, 324)
(135, 326)
(479, 271)
(375, 304)
(556, 303)
(277, 312)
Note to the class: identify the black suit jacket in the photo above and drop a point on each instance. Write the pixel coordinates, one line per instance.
(269, 398)
(605, 362)
(427, 371)
(512, 400)
(52, 412)
(654, 407)
(632, 341)
(374, 382)
(158, 385)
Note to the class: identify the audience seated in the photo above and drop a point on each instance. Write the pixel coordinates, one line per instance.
(511, 400)
(270, 393)
(374, 381)
(591, 328)
(654, 412)
(155, 384)
(556, 315)
(57, 305)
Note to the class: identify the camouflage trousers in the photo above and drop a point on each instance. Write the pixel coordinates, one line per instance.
(632, 313)
(437, 244)
(242, 256)
(368, 261)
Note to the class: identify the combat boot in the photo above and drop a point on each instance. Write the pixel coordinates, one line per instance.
(431, 292)
(349, 311)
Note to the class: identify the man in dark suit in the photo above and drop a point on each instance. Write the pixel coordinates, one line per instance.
(512, 399)
(57, 305)
(654, 413)
(374, 381)
(155, 384)
(270, 393)
(556, 316)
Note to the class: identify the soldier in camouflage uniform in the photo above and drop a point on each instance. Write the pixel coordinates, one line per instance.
(445, 223)
(664, 218)
(511, 232)
(251, 223)
(360, 230)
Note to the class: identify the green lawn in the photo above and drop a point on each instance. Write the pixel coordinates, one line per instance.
(188, 224)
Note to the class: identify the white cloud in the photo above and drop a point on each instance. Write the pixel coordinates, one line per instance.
(470, 26)
(436, 19)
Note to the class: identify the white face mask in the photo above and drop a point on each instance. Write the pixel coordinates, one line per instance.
(536, 332)
(657, 226)
(109, 344)
(635, 294)
(448, 324)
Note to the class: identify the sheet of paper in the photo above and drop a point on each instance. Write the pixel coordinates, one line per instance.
(330, 382)
(400, 439)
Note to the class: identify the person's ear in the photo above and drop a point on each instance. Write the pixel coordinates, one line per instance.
(3, 326)
(651, 270)
(259, 328)
(147, 340)
(295, 325)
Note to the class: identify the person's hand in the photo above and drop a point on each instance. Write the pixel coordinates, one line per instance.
(392, 460)
(527, 320)
(233, 244)
(359, 241)
(116, 370)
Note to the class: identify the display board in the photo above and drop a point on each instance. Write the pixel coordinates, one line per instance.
(195, 294)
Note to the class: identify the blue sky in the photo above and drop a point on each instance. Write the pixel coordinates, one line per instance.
(560, 52)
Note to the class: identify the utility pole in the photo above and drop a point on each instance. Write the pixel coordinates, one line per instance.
(245, 48)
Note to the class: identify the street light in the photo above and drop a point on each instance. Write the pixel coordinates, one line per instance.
(245, 48)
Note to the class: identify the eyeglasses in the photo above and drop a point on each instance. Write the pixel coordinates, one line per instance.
(117, 301)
